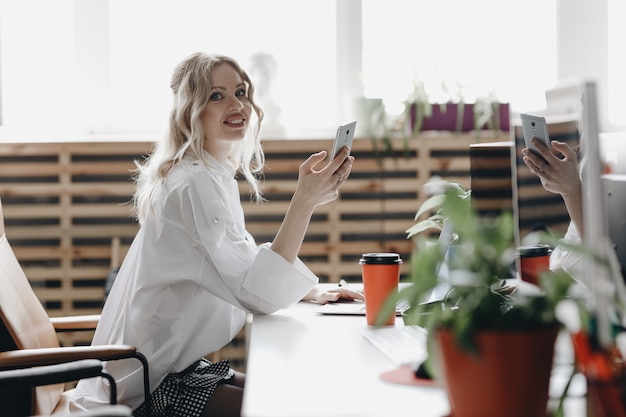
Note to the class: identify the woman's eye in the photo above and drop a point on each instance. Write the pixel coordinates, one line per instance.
(215, 97)
(241, 93)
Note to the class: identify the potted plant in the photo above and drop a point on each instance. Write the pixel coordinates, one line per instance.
(421, 112)
(490, 345)
(455, 113)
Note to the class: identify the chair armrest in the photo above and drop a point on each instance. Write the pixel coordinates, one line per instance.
(16, 379)
(22, 358)
(47, 375)
(75, 323)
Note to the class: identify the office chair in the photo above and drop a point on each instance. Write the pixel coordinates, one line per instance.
(28, 337)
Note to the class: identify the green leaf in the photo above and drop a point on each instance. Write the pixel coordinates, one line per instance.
(422, 226)
(431, 204)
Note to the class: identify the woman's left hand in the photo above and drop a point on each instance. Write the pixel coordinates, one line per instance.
(317, 187)
(323, 295)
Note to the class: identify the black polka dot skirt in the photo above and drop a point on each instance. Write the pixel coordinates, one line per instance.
(186, 393)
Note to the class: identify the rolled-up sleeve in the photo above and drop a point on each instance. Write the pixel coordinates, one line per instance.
(282, 281)
(568, 261)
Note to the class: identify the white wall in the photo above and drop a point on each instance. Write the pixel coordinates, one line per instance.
(582, 45)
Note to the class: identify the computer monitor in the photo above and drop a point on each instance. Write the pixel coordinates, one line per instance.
(606, 283)
(613, 151)
(615, 195)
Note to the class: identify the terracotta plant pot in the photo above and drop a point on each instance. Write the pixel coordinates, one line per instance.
(510, 375)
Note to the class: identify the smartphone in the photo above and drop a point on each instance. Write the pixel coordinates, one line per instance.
(345, 134)
(535, 127)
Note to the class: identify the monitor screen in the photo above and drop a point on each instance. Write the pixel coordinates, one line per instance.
(615, 195)
(606, 283)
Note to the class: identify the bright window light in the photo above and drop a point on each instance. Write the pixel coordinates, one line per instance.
(298, 36)
(459, 47)
(617, 66)
(102, 67)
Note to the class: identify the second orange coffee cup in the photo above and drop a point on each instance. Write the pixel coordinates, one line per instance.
(381, 275)
(534, 260)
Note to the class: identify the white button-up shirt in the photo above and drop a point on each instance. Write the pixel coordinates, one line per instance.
(190, 275)
(565, 259)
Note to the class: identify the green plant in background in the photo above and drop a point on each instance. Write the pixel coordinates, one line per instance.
(487, 112)
(379, 130)
(418, 107)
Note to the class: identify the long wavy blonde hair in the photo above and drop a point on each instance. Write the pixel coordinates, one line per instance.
(191, 86)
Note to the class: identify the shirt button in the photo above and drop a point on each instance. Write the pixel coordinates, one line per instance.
(215, 219)
(194, 164)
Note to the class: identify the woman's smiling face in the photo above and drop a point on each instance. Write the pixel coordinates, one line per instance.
(226, 116)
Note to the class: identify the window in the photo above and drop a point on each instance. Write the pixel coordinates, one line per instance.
(460, 48)
(102, 67)
(37, 67)
(149, 38)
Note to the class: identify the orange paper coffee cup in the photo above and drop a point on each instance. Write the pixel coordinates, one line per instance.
(534, 260)
(381, 275)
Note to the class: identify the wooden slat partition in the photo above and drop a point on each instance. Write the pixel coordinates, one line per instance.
(67, 216)
(65, 204)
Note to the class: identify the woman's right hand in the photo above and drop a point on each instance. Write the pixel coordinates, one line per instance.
(557, 175)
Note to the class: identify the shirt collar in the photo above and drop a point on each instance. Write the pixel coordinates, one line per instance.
(227, 171)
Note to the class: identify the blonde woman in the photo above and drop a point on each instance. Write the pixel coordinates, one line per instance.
(193, 271)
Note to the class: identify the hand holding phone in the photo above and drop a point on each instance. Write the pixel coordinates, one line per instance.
(345, 134)
(535, 127)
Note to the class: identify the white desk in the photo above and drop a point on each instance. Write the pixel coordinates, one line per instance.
(301, 363)
(304, 364)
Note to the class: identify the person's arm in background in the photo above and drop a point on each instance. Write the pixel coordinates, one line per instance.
(560, 176)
